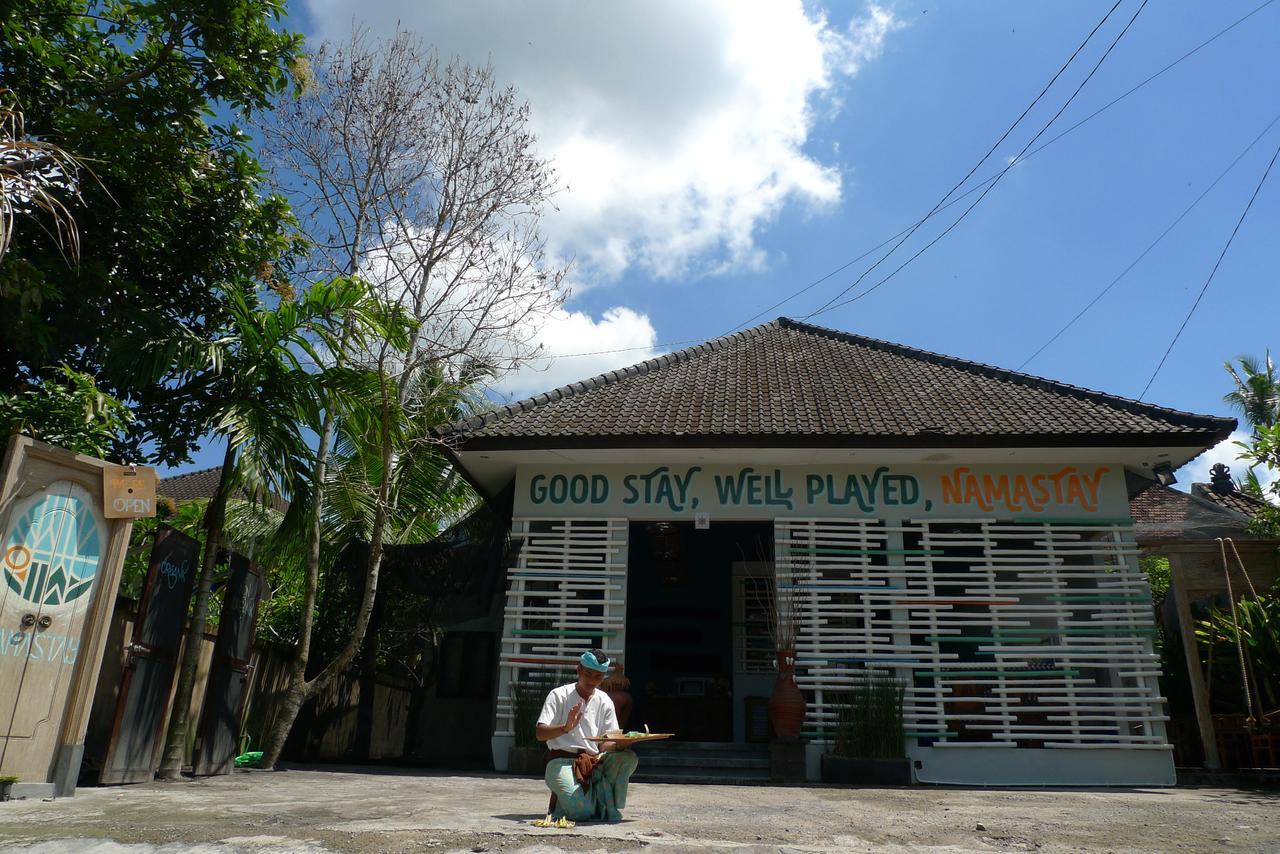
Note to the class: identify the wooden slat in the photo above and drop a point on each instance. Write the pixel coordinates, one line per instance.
(1044, 626)
(569, 588)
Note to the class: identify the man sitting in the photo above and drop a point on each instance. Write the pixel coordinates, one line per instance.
(587, 779)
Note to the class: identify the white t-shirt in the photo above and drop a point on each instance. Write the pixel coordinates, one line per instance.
(598, 717)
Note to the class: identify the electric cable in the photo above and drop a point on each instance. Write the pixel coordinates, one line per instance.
(1187, 55)
(1032, 153)
(1212, 272)
(1152, 245)
(829, 306)
(985, 157)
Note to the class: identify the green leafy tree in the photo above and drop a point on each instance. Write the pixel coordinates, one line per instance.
(265, 377)
(422, 178)
(68, 410)
(1257, 397)
(1263, 449)
(173, 218)
(1251, 633)
(1257, 390)
(37, 179)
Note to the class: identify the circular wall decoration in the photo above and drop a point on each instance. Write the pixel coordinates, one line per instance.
(53, 546)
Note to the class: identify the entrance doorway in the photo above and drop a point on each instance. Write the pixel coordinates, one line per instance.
(685, 627)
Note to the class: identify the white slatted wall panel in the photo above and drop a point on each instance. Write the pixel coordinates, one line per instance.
(566, 594)
(1005, 634)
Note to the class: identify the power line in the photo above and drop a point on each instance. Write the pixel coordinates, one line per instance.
(1212, 272)
(1032, 153)
(983, 159)
(828, 306)
(1219, 34)
(1153, 244)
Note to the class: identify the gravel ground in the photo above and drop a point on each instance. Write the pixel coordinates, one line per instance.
(380, 809)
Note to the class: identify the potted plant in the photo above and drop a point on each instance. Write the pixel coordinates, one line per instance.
(527, 756)
(786, 704)
(779, 600)
(870, 741)
(6, 786)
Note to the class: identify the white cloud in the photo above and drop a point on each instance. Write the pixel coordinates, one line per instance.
(576, 332)
(1227, 453)
(679, 128)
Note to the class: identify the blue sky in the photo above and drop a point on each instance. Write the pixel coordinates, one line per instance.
(721, 156)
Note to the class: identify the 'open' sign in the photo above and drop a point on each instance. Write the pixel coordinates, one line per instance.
(128, 492)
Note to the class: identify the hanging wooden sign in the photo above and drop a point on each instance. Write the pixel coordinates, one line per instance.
(128, 492)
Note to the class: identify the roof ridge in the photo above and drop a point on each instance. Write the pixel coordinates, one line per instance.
(997, 372)
(191, 473)
(606, 379)
(1197, 500)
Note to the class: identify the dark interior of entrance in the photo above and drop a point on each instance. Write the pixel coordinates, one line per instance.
(680, 653)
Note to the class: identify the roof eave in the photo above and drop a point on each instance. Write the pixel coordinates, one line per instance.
(1200, 439)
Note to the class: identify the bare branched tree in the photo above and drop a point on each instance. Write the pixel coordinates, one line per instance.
(421, 178)
(36, 177)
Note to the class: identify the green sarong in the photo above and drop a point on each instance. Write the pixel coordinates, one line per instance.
(604, 799)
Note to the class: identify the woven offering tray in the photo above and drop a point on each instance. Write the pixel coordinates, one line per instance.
(626, 739)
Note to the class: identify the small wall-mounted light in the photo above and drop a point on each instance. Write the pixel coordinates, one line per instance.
(1164, 474)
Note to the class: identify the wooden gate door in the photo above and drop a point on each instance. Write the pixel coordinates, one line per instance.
(52, 550)
(219, 732)
(136, 736)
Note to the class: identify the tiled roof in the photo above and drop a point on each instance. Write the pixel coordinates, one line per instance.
(202, 484)
(1241, 502)
(787, 380)
(1161, 512)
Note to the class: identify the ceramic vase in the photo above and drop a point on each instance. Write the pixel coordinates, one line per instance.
(786, 706)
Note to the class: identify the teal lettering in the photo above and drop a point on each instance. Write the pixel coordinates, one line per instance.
(633, 494)
(853, 489)
(599, 489)
(849, 483)
(682, 483)
(873, 482)
(812, 488)
(538, 488)
(776, 493)
(910, 489)
(648, 482)
(730, 488)
(665, 492)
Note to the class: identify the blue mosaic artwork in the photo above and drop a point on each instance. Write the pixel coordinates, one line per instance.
(53, 548)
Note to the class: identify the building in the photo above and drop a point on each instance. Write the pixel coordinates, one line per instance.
(963, 526)
(1213, 560)
(203, 484)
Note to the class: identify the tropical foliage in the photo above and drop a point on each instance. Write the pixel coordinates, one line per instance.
(1257, 397)
(1257, 390)
(1252, 633)
(159, 291)
(870, 722)
(169, 209)
(67, 409)
(37, 181)
(270, 377)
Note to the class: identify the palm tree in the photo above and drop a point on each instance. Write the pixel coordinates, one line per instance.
(266, 380)
(385, 483)
(35, 176)
(1257, 391)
